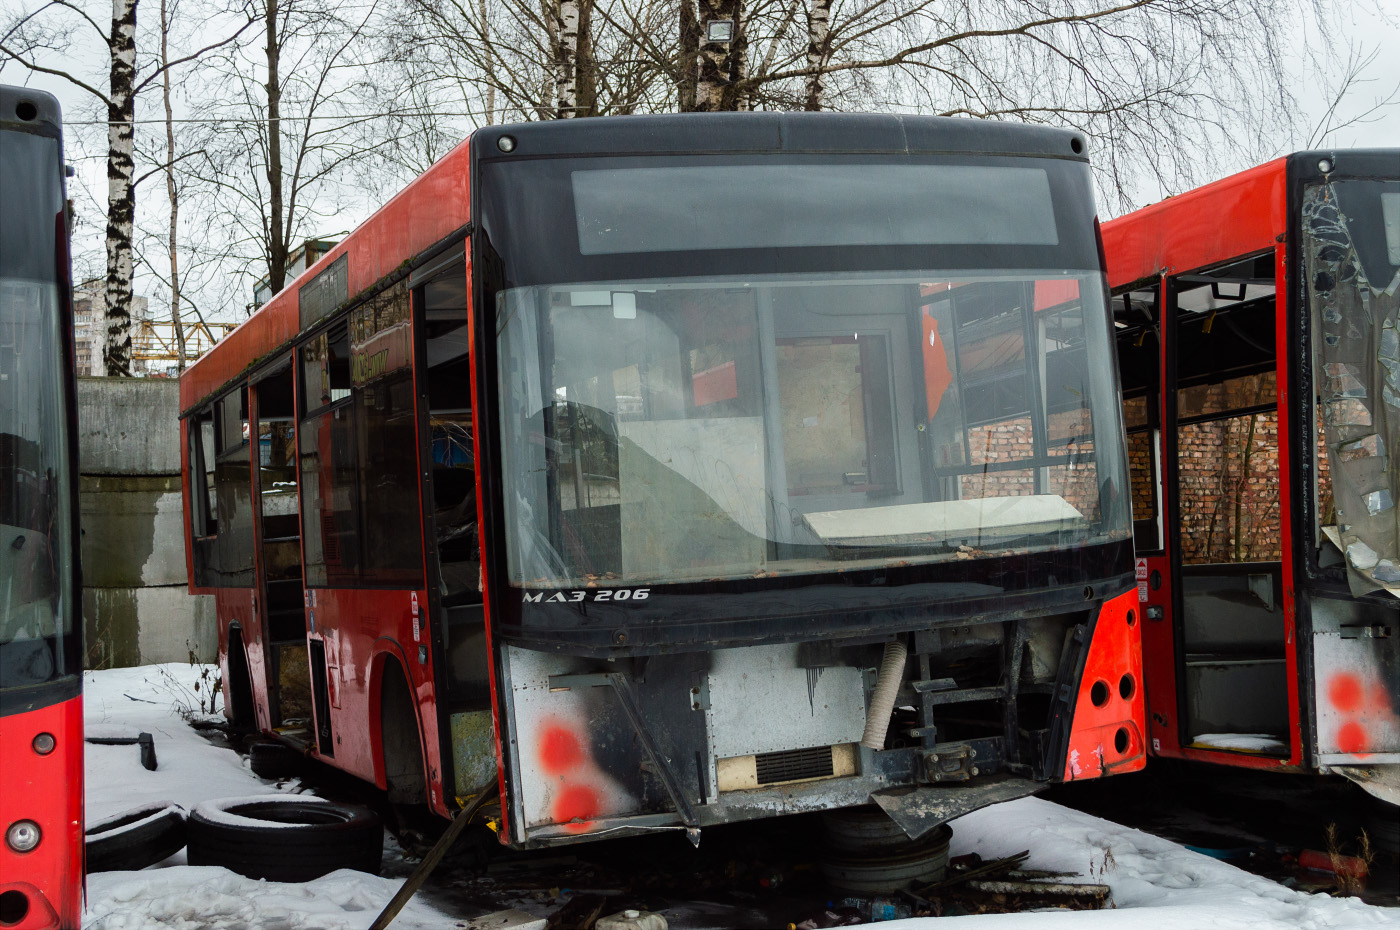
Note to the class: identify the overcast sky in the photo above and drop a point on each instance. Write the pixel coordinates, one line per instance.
(1364, 27)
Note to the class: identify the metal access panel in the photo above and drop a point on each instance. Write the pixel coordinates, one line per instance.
(1356, 659)
(761, 701)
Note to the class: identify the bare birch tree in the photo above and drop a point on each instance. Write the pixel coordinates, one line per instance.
(57, 26)
(1142, 77)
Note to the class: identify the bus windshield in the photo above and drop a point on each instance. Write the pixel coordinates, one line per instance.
(36, 613)
(706, 427)
(1351, 254)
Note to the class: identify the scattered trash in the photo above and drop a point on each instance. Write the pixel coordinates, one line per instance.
(1319, 861)
(843, 917)
(1228, 854)
(144, 740)
(631, 920)
(874, 910)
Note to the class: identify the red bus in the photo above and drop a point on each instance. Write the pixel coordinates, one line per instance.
(669, 471)
(41, 708)
(1256, 322)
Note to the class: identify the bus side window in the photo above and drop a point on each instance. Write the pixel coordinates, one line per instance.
(451, 434)
(203, 503)
(220, 482)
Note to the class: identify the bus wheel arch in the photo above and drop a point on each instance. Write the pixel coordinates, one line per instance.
(400, 734)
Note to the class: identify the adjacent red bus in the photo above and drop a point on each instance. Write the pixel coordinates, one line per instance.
(41, 709)
(1257, 342)
(669, 471)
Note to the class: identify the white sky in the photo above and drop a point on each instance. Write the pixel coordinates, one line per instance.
(1368, 26)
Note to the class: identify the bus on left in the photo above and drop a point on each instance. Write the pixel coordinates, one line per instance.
(41, 710)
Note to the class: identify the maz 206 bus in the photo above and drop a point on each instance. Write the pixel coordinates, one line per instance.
(670, 471)
(41, 708)
(1257, 338)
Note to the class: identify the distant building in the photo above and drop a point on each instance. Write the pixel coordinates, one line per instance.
(90, 327)
(302, 258)
(155, 351)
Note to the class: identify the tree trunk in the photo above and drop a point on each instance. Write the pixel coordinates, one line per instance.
(718, 86)
(585, 68)
(170, 187)
(689, 53)
(490, 64)
(121, 188)
(566, 59)
(818, 47)
(276, 237)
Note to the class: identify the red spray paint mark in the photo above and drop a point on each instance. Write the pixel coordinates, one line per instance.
(1344, 691)
(1352, 738)
(560, 751)
(575, 805)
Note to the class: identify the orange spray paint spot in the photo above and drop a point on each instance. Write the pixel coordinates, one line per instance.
(1344, 691)
(1352, 738)
(574, 806)
(560, 751)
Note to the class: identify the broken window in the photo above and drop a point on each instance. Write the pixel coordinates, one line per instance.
(1351, 268)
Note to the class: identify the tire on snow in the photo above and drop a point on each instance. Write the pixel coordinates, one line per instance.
(285, 838)
(136, 838)
(273, 760)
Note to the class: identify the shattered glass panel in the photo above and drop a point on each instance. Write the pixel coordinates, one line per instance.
(1352, 273)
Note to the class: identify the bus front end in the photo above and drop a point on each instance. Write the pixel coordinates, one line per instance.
(803, 469)
(41, 741)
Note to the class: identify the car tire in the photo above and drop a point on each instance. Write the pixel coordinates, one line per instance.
(273, 760)
(136, 838)
(285, 838)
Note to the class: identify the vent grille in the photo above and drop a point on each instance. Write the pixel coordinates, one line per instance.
(794, 765)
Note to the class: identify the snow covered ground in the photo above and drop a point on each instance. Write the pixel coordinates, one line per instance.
(1157, 884)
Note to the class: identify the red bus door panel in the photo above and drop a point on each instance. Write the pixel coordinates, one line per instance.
(1158, 653)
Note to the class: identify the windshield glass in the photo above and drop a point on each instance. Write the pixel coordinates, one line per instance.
(1351, 255)
(36, 613)
(703, 428)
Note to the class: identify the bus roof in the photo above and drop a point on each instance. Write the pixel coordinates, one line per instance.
(432, 207)
(437, 203)
(1225, 219)
(706, 133)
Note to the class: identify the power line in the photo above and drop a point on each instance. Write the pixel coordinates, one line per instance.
(348, 116)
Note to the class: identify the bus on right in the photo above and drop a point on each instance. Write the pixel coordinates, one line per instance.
(1258, 329)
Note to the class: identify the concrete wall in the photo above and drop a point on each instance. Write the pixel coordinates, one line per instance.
(135, 605)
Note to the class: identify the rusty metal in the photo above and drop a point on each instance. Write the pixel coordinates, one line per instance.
(919, 810)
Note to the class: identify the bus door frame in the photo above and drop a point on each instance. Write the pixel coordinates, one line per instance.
(1170, 738)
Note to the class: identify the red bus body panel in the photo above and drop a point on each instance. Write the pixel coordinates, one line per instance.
(49, 791)
(1108, 736)
(1240, 215)
(434, 205)
(361, 629)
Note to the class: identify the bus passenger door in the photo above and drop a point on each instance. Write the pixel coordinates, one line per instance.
(1235, 652)
(442, 314)
(281, 595)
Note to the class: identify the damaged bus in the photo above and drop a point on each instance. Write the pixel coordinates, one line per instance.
(41, 671)
(1257, 337)
(661, 472)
